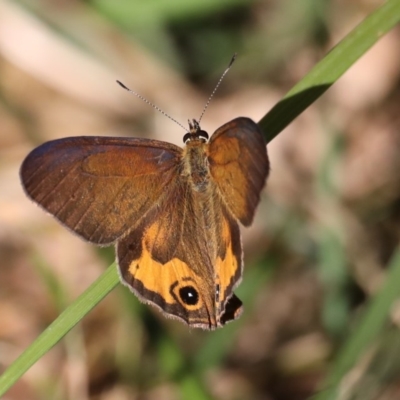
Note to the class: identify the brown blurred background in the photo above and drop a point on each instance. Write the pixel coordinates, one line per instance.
(326, 227)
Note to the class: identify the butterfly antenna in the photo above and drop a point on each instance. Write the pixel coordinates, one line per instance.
(151, 104)
(217, 85)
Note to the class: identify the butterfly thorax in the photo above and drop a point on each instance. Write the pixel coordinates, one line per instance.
(195, 164)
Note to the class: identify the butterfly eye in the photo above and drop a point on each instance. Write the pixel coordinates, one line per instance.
(187, 138)
(203, 135)
(189, 295)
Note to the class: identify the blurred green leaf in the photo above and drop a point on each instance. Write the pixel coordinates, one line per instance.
(133, 14)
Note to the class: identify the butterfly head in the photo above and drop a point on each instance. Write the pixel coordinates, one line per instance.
(195, 133)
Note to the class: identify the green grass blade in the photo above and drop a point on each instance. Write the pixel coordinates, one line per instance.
(331, 68)
(370, 326)
(60, 327)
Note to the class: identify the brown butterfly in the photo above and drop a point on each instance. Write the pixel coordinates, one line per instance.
(171, 212)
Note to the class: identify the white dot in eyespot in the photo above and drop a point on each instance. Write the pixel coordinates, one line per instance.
(189, 295)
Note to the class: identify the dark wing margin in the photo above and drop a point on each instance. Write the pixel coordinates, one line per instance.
(99, 187)
(239, 165)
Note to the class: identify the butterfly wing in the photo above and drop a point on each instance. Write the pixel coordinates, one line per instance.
(176, 261)
(99, 187)
(228, 264)
(239, 166)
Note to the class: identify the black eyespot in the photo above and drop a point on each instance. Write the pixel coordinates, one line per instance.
(203, 135)
(186, 137)
(189, 295)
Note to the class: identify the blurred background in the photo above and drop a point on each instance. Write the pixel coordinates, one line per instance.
(326, 227)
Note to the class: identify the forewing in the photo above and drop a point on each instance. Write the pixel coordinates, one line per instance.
(99, 187)
(239, 166)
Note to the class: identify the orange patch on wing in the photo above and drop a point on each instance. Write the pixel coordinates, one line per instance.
(165, 279)
(227, 266)
(155, 232)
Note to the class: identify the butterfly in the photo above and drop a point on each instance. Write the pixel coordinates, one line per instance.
(171, 213)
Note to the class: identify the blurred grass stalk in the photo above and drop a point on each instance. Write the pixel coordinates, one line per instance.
(313, 85)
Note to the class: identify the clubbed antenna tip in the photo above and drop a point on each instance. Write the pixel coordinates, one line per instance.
(122, 85)
(232, 60)
(217, 85)
(150, 104)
